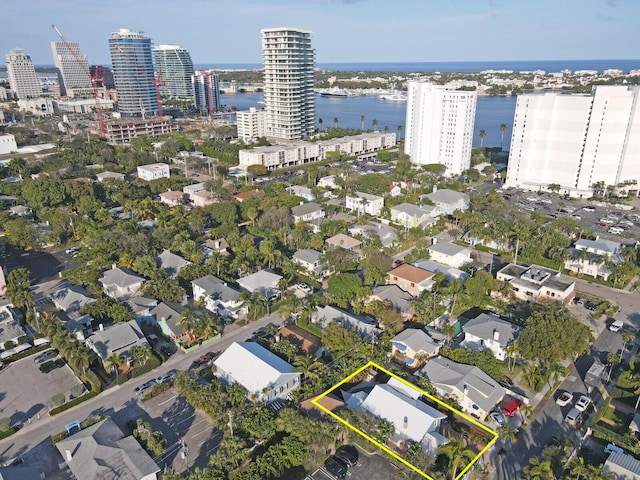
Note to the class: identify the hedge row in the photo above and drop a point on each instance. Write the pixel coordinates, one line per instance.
(27, 353)
(628, 441)
(72, 403)
(156, 390)
(7, 433)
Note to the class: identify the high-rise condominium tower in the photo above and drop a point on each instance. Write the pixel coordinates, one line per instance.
(205, 89)
(439, 126)
(22, 75)
(132, 64)
(288, 82)
(576, 141)
(72, 76)
(175, 67)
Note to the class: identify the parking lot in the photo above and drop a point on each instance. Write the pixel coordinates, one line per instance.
(182, 426)
(370, 467)
(25, 392)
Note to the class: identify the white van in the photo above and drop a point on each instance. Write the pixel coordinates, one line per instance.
(616, 325)
(573, 417)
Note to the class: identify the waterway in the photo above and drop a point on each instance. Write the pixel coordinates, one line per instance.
(491, 112)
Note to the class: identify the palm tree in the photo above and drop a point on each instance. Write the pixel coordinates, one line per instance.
(613, 359)
(335, 122)
(526, 411)
(386, 129)
(483, 133)
(557, 370)
(507, 433)
(399, 130)
(112, 362)
(374, 122)
(532, 375)
(454, 289)
(449, 331)
(511, 351)
(308, 365)
(187, 321)
(458, 455)
(627, 336)
(361, 122)
(537, 470)
(503, 128)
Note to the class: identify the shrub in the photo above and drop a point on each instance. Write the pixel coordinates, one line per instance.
(57, 399)
(8, 345)
(7, 433)
(72, 403)
(153, 362)
(122, 378)
(22, 339)
(5, 424)
(77, 390)
(155, 390)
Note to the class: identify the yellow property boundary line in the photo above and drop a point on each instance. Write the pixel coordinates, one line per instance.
(494, 434)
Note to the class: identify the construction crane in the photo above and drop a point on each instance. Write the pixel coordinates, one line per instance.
(156, 82)
(209, 87)
(102, 131)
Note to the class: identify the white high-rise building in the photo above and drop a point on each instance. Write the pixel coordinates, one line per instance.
(72, 76)
(252, 124)
(22, 75)
(288, 82)
(175, 67)
(575, 141)
(439, 126)
(205, 88)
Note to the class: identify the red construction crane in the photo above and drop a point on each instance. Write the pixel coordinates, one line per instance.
(102, 131)
(156, 82)
(209, 88)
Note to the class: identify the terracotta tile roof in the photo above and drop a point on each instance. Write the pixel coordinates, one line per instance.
(411, 273)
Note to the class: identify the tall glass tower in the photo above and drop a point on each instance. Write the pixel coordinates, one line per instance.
(132, 65)
(22, 75)
(72, 76)
(175, 67)
(288, 82)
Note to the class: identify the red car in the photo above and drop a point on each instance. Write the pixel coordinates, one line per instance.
(511, 408)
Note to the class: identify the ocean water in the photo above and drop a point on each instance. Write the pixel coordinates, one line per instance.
(491, 112)
(463, 67)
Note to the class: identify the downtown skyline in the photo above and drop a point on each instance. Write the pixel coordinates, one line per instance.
(342, 30)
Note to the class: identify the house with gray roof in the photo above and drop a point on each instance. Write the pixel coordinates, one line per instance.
(264, 282)
(401, 301)
(120, 283)
(449, 254)
(103, 452)
(387, 235)
(362, 325)
(167, 315)
(217, 245)
(594, 257)
(141, 306)
(488, 331)
(117, 339)
(476, 392)
(10, 329)
(413, 346)
(448, 201)
(306, 212)
(409, 215)
(70, 298)
(171, 263)
(311, 261)
(623, 466)
(450, 273)
(218, 297)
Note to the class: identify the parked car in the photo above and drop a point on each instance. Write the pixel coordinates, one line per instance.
(166, 350)
(204, 359)
(51, 365)
(349, 454)
(497, 417)
(573, 417)
(141, 389)
(616, 325)
(167, 377)
(590, 306)
(564, 399)
(583, 403)
(305, 288)
(512, 407)
(589, 208)
(336, 467)
(45, 356)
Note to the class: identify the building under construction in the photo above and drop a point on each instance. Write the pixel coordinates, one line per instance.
(122, 130)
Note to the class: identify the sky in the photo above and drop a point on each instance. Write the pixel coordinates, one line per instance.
(343, 31)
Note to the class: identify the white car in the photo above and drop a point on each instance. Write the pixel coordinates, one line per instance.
(616, 325)
(305, 288)
(589, 208)
(564, 399)
(583, 403)
(498, 417)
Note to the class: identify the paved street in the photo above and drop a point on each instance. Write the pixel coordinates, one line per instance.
(115, 399)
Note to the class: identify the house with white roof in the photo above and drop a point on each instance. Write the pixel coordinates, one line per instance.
(117, 339)
(488, 331)
(594, 257)
(266, 376)
(300, 191)
(102, 176)
(311, 261)
(413, 345)
(328, 182)
(409, 215)
(449, 254)
(476, 392)
(364, 203)
(171, 263)
(70, 298)
(448, 201)
(218, 297)
(412, 419)
(120, 283)
(362, 325)
(153, 171)
(450, 273)
(530, 282)
(264, 282)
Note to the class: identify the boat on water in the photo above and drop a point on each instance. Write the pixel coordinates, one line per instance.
(334, 92)
(394, 97)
